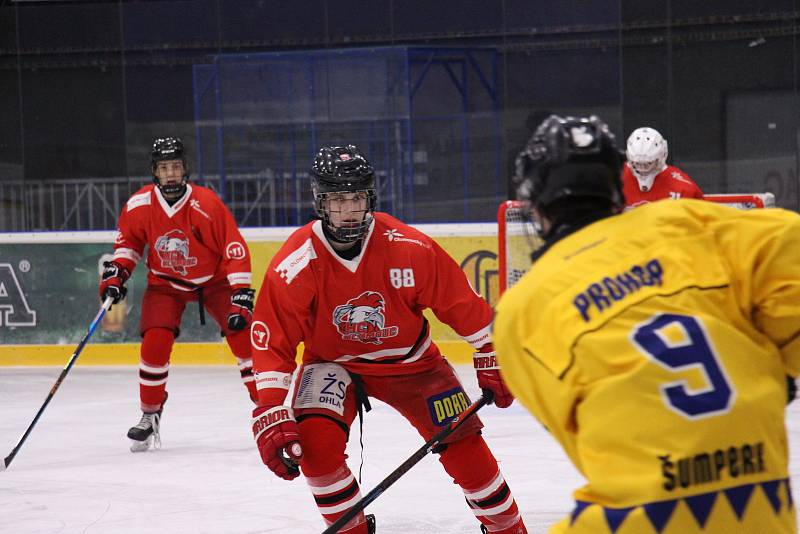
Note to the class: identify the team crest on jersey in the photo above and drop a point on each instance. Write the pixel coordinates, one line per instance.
(173, 251)
(362, 319)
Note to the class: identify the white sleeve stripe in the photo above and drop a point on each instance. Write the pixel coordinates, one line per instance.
(127, 253)
(336, 486)
(260, 385)
(488, 490)
(481, 337)
(277, 375)
(240, 278)
(273, 380)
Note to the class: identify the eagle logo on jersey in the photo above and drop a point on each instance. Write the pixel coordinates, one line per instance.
(362, 319)
(173, 251)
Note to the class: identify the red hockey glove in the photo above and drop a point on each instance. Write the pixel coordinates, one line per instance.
(489, 378)
(241, 312)
(278, 440)
(112, 283)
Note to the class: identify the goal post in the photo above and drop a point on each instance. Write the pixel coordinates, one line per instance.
(745, 202)
(517, 237)
(515, 233)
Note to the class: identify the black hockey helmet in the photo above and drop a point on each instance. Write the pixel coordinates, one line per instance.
(165, 149)
(570, 157)
(343, 169)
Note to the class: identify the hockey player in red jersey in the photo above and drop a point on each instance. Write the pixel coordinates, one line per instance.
(647, 177)
(352, 287)
(195, 253)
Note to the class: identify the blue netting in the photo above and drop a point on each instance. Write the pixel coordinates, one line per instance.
(261, 117)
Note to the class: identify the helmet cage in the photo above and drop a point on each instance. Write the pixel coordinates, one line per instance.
(168, 149)
(339, 170)
(645, 168)
(350, 232)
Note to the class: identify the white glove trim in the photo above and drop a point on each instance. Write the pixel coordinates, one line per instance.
(272, 417)
(485, 361)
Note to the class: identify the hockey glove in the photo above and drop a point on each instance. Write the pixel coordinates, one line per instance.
(489, 378)
(241, 312)
(278, 439)
(112, 283)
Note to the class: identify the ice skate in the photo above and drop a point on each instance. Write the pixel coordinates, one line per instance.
(146, 433)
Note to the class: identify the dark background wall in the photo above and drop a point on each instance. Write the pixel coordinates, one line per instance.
(85, 86)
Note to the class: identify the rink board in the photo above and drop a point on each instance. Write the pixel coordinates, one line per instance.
(48, 296)
(182, 354)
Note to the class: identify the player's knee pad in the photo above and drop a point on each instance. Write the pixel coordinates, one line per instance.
(157, 345)
(323, 440)
(469, 461)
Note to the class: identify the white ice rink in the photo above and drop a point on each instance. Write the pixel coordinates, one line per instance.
(75, 474)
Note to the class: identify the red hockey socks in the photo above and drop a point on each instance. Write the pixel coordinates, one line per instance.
(335, 493)
(154, 368)
(473, 467)
(332, 484)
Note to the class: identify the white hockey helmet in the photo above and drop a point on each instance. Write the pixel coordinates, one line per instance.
(647, 156)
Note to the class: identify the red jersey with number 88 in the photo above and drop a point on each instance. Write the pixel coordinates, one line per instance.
(364, 314)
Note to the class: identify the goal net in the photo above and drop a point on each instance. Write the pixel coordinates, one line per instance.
(517, 236)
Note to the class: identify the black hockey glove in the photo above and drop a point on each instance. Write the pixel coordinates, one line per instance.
(241, 312)
(112, 284)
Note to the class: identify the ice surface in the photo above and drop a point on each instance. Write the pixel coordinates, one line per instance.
(75, 474)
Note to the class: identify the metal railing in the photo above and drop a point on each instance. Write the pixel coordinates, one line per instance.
(95, 203)
(258, 199)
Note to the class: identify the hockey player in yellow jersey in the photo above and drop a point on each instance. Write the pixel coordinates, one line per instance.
(656, 345)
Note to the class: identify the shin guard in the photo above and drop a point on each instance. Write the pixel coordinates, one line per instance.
(154, 368)
(332, 484)
(473, 467)
(334, 494)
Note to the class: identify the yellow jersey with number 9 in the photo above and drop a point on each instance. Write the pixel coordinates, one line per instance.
(654, 345)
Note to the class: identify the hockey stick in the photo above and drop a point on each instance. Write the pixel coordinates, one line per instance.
(423, 451)
(96, 321)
